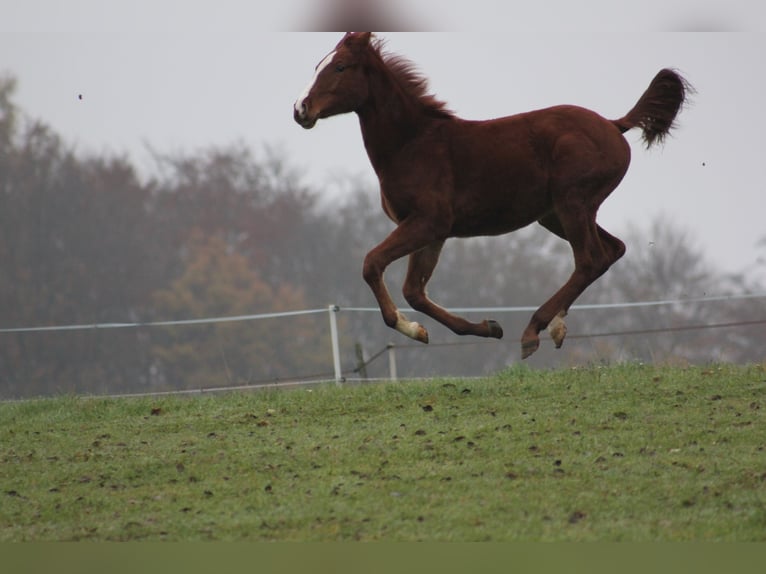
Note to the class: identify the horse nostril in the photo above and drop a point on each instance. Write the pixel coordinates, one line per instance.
(301, 113)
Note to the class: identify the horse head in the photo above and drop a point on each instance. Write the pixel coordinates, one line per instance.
(339, 84)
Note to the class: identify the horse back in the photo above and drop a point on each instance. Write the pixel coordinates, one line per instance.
(506, 171)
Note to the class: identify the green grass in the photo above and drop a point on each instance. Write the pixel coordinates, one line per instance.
(629, 452)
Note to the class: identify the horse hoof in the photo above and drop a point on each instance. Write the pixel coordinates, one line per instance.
(410, 328)
(557, 330)
(528, 347)
(495, 330)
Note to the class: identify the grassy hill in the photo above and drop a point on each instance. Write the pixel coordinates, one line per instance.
(630, 452)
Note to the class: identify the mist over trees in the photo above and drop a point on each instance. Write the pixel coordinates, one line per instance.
(224, 232)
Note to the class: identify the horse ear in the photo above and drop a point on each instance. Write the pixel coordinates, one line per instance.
(356, 40)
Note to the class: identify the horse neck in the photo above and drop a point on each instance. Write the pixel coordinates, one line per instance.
(389, 119)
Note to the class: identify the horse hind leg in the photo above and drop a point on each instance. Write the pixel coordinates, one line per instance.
(419, 271)
(557, 328)
(595, 250)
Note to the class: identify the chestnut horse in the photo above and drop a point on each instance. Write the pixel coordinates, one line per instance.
(442, 176)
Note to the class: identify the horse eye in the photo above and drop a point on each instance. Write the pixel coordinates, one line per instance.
(339, 67)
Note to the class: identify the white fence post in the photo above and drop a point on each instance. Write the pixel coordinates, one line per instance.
(333, 310)
(392, 361)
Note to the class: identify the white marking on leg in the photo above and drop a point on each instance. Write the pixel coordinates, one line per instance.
(558, 329)
(307, 90)
(410, 328)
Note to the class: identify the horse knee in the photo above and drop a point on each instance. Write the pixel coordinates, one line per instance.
(371, 270)
(414, 295)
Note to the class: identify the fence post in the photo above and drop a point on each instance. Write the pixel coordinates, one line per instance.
(333, 310)
(361, 366)
(392, 361)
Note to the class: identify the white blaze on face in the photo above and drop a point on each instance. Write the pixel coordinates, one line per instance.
(305, 93)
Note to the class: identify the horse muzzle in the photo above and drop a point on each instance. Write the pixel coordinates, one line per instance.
(302, 117)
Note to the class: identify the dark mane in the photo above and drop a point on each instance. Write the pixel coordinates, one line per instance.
(412, 81)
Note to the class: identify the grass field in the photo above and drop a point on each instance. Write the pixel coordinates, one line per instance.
(631, 452)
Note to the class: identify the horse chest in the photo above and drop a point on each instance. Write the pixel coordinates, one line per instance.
(413, 188)
(394, 214)
(396, 205)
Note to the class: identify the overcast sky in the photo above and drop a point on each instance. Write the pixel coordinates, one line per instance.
(180, 76)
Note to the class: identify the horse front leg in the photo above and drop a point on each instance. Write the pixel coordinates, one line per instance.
(409, 237)
(421, 266)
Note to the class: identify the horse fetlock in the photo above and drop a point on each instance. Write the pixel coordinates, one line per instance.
(558, 329)
(412, 329)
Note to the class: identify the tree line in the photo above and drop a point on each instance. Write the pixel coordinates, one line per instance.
(224, 231)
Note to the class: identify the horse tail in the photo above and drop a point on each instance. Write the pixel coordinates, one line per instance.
(656, 109)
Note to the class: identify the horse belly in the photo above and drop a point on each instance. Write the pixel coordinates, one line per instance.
(500, 177)
(499, 213)
(498, 199)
